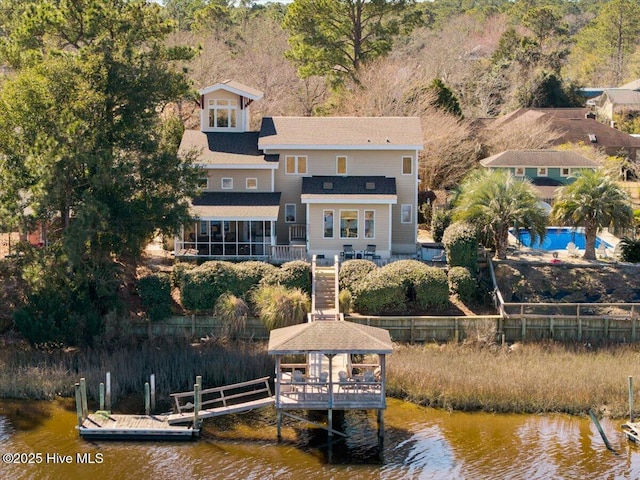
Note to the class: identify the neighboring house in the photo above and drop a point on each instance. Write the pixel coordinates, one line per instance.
(576, 125)
(617, 101)
(301, 185)
(547, 169)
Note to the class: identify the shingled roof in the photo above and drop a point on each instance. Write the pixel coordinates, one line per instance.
(538, 158)
(236, 205)
(381, 133)
(352, 185)
(331, 336)
(226, 148)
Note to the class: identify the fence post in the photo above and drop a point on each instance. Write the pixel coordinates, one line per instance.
(631, 399)
(551, 326)
(579, 322)
(193, 324)
(411, 331)
(456, 331)
(606, 328)
(633, 326)
(524, 327)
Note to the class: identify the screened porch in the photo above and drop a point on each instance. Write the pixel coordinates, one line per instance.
(226, 238)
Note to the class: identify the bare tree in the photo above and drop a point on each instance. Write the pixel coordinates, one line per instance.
(525, 132)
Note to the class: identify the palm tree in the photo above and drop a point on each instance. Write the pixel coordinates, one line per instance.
(496, 201)
(593, 201)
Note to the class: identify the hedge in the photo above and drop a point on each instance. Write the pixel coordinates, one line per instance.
(462, 283)
(155, 295)
(406, 285)
(461, 244)
(291, 275)
(353, 272)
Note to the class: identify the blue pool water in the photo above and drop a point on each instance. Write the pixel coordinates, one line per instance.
(557, 239)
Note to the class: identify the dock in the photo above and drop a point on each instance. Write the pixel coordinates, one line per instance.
(106, 426)
(632, 431)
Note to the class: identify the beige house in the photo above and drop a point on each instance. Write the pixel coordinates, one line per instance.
(301, 185)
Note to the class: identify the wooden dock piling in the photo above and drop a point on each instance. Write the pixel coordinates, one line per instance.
(108, 391)
(631, 416)
(79, 405)
(152, 382)
(101, 396)
(83, 397)
(147, 399)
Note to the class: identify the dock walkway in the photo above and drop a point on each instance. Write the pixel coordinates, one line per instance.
(101, 426)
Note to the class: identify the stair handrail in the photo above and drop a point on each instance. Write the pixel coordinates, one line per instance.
(336, 266)
(313, 287)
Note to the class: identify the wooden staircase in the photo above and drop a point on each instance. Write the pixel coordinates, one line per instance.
(325, 294)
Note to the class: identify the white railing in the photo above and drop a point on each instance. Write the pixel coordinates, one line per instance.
(288, 252)
(336, 266)
(313, 284)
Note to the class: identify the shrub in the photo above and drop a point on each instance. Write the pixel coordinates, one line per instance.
(462, 283)
(461, 244)
(440, 220)
(630, 249)
(249, 275)
(432, 288)
(346, 301)
(201, 286)
(178, 272)
(233, 313)
(155, 294)
(402, 286)
(353, 272)
(278, 306)
(380, 293)
(296, 274)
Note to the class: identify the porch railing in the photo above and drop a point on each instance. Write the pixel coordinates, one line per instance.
(288, 252)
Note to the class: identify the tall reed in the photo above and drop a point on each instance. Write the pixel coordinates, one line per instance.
(34, 374)
(531, 378)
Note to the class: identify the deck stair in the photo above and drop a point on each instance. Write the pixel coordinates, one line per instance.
(325, 293)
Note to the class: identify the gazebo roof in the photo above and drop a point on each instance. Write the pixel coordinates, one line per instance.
(329, 337)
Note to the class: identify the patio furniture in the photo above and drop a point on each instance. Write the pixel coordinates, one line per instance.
(572, 250)
(440, 257)
(370, 251)
(348, 252)
(602, 250)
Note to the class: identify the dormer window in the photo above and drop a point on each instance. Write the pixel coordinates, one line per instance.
(222, 113)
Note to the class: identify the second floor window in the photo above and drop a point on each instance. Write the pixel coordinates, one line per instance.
(222, 113)
(519, 172)
(252, 183)
(295, 164)
(341, 165)
(542, 171)
(407, 164)
(290, 213)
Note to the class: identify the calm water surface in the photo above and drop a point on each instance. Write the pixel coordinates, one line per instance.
(419, 443)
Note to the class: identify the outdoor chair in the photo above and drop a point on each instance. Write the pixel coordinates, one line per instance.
(298, 379)
(346, 383)
(572, 250)
(602, 250)
(370, 251)
(348, 252)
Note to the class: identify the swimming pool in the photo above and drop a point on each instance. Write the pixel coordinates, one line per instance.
(557, 239)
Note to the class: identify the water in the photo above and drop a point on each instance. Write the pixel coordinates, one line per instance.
(557, 239)
(419, 443)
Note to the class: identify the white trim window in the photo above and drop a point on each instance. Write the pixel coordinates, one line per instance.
(407, 165)
(406, 213)
(341, 165)
(226, 183)
(290, 213)
(565, 172)
(295, 165)
(542, 171)
(519, 171)
(251, 183)
(327, 222)
(348, 223)
(369, 224)
(223, 113)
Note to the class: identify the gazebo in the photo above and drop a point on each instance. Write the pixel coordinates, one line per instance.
(329, 379)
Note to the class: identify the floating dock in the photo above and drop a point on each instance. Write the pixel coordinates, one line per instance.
(106, 426)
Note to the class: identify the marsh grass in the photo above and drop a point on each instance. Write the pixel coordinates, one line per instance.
(532, 378)
(26, 373)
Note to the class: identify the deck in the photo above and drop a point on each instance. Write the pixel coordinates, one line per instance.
(102, 426)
